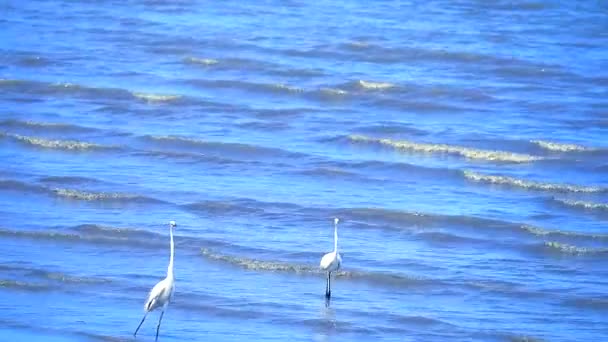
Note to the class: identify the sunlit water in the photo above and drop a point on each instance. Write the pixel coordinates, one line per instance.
(462, 144)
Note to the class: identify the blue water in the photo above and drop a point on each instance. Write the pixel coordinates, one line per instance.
(463, 145)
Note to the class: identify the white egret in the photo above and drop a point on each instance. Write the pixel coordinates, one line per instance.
(331, 261)
(161, 293)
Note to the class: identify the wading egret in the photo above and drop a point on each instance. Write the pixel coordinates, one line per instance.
(161, 293)
(331, 261)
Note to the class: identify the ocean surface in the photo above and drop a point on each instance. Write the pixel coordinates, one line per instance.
(462, 144)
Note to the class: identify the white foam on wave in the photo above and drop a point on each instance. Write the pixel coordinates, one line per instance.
(203, 61)
(67, 85)
(358, 44)
(538, 231)
(375, 85)
(333, 91)
(149, 97)
(92, 196)
(57, 144)
(467, 152)
(44, 124)
(288, 88)
(560, 147)
(583, 204)
(259, 265)
(528, 184)
(571, 249)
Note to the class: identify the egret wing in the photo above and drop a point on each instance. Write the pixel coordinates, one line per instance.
(156, 293)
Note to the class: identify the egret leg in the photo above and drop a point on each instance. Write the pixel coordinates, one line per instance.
(328, 286)
(329, 282)
(158, 326)
(140, 323)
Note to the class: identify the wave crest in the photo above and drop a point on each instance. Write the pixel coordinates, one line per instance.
(333, 92)
(528, 184)
(275, 266)
(149, 97)
(328, 172)
(259, 265)
(52, 275)
(561, 147)
(583, 204)
(538, 231)
(288, 88)
(46, 126)
(100, 196)
(73, 193)
(83, 237)
(576, 250)
(66, 278)
(374, 85)
(203, 61)
(466, 152)
(14, 284)
(223, 147)
(57, 144)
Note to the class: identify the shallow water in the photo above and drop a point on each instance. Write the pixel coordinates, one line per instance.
(462, 144)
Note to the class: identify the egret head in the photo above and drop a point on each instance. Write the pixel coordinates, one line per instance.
(336, 220)
(172, 224)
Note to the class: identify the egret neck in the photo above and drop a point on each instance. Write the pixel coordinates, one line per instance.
(170, 268)
(335, 237)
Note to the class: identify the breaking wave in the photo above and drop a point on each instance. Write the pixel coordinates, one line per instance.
(101, 196)
(155, 97)
(75, 194)
(275, 266)
(576, 250)
(201, 61)
(57, 144)
(532, 185)
(583, 204)
(374, 85)
(466, 152)
(333, 92)
(538, 231)
(288, 88)
(561, 147)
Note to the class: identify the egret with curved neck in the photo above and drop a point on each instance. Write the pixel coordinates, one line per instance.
(162, 293)
(331, 261)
